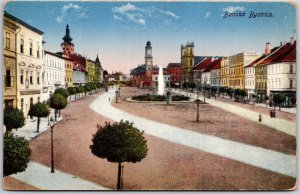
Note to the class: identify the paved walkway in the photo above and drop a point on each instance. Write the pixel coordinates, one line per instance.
(248, 154)
(29, 130)
(275, 123)
(39, 176)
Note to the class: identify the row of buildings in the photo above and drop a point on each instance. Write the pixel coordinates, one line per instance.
(259, 74)
(32, 74)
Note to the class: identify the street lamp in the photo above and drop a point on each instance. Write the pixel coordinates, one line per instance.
(116, 96)
(52, 124)
(198, 103)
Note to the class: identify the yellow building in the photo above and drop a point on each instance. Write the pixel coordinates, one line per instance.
(187, 61)
(91, 70)
(236, 68)
(69, 72)
(9, 63)
(225, 72)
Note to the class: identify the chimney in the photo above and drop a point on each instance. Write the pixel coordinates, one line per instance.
(268, 49)
(292, 40)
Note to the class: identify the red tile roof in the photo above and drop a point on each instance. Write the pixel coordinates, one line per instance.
(215, 64)
(202, 64)
(286, 53)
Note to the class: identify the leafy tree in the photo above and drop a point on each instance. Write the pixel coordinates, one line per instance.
(13, 119)
(71, 91)
(62, 91)
(86, 89)
(39, 110)
(192, 85)
(81, 89)
(119, 142)
(185, 84)
(16, 153)
(229, 92)
(58, 102)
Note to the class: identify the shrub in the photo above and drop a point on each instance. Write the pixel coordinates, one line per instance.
(16, 153)
(13, 118)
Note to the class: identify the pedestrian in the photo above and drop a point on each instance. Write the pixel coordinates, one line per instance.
(259, 118)
(109, 99)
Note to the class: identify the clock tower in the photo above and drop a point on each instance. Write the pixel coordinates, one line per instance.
(67, 46)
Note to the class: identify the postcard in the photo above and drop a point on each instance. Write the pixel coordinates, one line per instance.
(149, 95)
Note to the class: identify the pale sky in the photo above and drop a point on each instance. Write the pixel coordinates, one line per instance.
(118, 31)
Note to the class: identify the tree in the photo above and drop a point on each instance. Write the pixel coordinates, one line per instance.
(13, 118)
(16, 153)
(118, 143)
(86, 89)
(71, 91)
(39, 110)
(81, 89)
(62, 91)
(58, 102)
(229, 92)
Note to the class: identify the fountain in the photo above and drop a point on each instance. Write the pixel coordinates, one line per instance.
(161, 82)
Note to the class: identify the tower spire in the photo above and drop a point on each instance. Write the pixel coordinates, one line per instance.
(67, 38)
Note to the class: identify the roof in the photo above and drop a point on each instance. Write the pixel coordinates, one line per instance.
(286, 53)
(174, 65)
(23, 23)
(215, 64)
(139, 70)
(56, 55)
(202, 64)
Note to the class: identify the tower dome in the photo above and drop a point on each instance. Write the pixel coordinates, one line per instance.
(148, 43)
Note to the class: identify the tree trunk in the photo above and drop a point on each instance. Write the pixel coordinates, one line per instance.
(38, 125)
(119, 177)
(55, 113)
(58, 113)
(70, 98)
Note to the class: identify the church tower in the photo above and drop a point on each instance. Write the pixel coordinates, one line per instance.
(67, 46)
(148, 56)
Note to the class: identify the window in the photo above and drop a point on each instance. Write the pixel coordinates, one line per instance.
(30, 49)
(22, 46)
(8, 79)
(7, 40)
(291, 68)
(38, 78)
(30, 78)
(291, 84)
(22, 77)
(38, 52)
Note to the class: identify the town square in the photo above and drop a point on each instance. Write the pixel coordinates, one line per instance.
(149, 96)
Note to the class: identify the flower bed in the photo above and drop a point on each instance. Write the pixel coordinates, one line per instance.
(156, 97)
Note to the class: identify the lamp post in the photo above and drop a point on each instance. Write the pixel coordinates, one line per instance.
(198, 103)
(116, 96)
(52, 124)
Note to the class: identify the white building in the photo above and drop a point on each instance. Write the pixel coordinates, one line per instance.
(54, 72)
(79, 75)
(250, 79)
(281, 72)
(30, 68)
(215, 76)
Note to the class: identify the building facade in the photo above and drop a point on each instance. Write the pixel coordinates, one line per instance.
(9, 62)
(175, 71)
(236, 68)
(30, 67)
(281, 74)
(224, 72)
(90, 66)
(54, 72)
(215, 77)
(187, 61)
